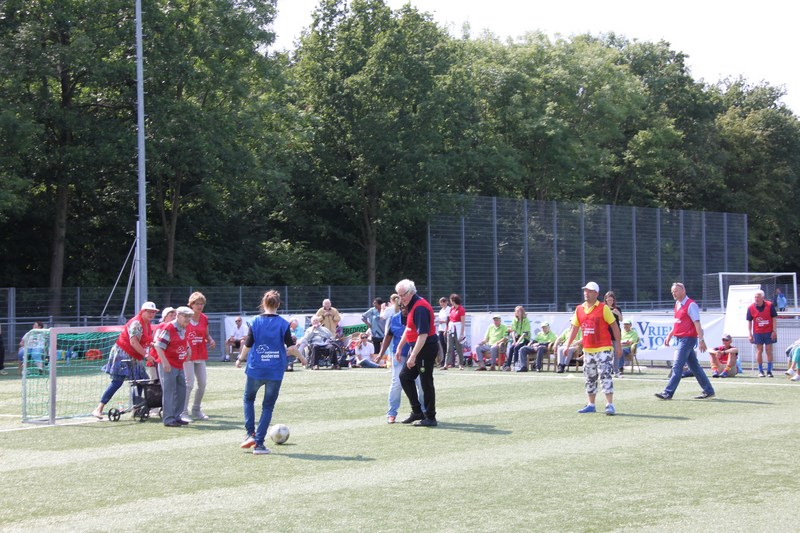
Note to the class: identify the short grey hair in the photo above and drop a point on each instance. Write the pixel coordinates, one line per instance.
(315, 320)
(406, 285)
(759, 292)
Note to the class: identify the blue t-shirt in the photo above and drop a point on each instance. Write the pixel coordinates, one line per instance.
(267, 340)
(397, 328)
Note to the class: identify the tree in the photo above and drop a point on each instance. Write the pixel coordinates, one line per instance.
(368, 77)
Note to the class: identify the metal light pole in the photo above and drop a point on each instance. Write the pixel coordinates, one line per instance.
(141, 226)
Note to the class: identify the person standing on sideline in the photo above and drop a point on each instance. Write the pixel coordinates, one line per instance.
(201, 340)
(761, 323)
(687, 329)
(374, 320)
(455, 334)
(779, 300)
(600, 346)
(265, 350)
(174, 350)
(441, 327)
(610, 300)
(420, 333)
(329, 316)
(126, 358)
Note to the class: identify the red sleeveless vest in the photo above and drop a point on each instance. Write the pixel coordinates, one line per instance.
(124, 339)
(684, 325)
(593, 326)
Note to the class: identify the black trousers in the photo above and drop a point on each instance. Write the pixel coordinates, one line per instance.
(423, 367)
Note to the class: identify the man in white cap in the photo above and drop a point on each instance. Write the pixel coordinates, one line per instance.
(539, 345)
(493, 343)
(600, 330)
(174, 349)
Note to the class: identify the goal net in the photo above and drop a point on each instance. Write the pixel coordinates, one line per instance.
(62, 373)
(715, 286)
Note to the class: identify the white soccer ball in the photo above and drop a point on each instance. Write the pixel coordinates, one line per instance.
(279, 433)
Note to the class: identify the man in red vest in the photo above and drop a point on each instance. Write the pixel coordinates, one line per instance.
(598, 325)
(420, 334)
(687, 330)
(761, 322)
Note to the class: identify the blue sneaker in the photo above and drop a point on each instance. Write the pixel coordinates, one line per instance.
(260, 449)
(724, 374)
(587, 409)
(610, 411)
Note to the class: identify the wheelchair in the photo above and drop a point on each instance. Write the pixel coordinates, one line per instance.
(328, 355)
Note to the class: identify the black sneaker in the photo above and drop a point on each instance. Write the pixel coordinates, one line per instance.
(704, 396)
(663, 396)
(769, 375)
(413, 417)
(427, 422)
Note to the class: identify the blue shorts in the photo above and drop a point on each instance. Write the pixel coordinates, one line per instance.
(762, 338)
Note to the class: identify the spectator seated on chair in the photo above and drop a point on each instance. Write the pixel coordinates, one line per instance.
(364, 351)
(494, 342)
(727, 355)
(539, 345)
(628, 340)
(566, 353)
(234, 341)
(520, 331)
(320, 341)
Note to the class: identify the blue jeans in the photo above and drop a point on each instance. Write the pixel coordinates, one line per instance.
(271, 390)
(685, 355)
(395, 389)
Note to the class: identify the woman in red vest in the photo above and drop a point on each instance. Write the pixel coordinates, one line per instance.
(174, 351)
(201, 340)
(125, 361)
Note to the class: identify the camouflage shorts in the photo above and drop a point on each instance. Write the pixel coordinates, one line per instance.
(598, 364)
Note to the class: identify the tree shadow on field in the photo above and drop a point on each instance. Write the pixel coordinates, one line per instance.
(473, 428)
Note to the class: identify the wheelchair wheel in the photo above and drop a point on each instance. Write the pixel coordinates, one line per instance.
(144, 415)
(114, 414)
(161, 413)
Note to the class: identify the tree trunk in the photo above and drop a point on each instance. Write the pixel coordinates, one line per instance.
(58, 245)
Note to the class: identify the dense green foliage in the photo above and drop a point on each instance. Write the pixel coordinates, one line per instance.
(323, 164)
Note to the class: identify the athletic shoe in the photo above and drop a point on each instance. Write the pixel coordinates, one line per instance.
(761, 374)
(199, 415)
(427, 422)
(788, 373)
(181, 422)
(610, 411)
(249, 442)
(724, 374)
(663, 396)
(715, 375)
(687, 374)
(617, 375)
(185, 417)
(704, 396)
(260, 449)
(390, 419)
(795, 378)
(769, 375)
(587, 409)
(413, 417)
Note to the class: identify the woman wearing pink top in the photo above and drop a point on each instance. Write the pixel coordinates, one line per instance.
(200, 340)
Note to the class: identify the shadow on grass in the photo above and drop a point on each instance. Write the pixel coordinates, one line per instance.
(320, 457)
(750, 402)
(664, 417)
(473, 428)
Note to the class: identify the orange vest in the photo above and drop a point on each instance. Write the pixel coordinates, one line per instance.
(594, 327)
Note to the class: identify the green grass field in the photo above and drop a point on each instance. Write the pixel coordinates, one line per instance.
(510, 454)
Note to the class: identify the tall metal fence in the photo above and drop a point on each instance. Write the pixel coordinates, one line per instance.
(497, 253)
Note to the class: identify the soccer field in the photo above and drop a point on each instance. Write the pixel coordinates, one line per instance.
(510, 454)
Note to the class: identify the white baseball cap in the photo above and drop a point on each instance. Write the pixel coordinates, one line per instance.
(592, 286)
(149, 306)
(166, 311)
(183, 310)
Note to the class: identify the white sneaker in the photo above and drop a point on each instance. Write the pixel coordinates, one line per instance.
(185, 417)
(199, 415)
(795, 378)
